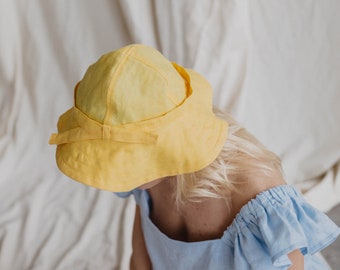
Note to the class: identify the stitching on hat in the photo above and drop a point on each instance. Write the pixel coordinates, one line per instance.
(109, 95)
(160, 73)
(150, 66)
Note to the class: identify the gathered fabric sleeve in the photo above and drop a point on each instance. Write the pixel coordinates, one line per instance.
(275, 223)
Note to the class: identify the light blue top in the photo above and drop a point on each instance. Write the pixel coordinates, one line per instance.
(265, 230)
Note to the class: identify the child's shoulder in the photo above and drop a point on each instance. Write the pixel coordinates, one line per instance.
(249, 186)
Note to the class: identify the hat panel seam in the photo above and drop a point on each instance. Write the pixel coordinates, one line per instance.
(170, 115)
(118, 70)
(149, 65)
(143, 61)
(189, 101)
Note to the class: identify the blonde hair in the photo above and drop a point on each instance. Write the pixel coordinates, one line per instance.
(242, 154)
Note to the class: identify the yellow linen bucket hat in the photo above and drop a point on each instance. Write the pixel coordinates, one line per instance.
(137, 117)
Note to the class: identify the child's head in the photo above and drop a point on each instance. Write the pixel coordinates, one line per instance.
(137, 117)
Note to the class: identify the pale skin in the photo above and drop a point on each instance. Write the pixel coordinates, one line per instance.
(196, 221)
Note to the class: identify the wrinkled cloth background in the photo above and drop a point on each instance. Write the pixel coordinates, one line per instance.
(274, 65)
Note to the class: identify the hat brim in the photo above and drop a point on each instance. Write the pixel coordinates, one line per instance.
(188, 139)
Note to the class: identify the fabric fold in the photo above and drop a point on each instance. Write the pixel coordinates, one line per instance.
(277, 222)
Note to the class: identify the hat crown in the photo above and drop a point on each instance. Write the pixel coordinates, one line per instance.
(136, 83)
(129, 85)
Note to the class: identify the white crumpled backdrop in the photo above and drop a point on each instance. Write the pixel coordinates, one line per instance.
(275, 65)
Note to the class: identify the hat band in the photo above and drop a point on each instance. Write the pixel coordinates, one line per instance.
(89, 129)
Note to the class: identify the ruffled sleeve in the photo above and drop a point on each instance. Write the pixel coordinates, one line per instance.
(274, 224)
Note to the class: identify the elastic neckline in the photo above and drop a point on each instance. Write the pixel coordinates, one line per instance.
(246, 215)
